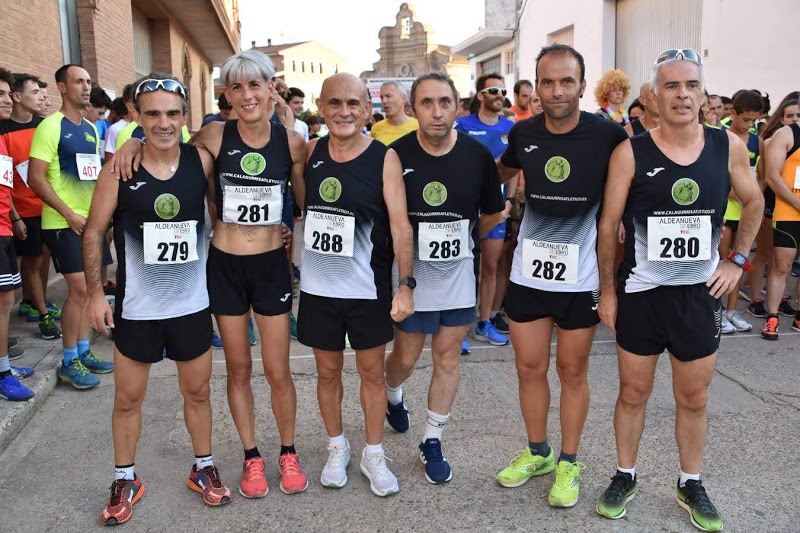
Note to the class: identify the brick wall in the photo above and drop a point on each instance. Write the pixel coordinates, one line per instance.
(30, 40)
(107, 42)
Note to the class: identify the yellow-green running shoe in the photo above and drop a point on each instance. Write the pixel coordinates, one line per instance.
(567, 485)
(614, 501)
(523, 466)
(702, 512)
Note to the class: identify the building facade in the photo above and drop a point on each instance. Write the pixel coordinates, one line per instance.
(117, 41)
(406, 53)
(739, 50)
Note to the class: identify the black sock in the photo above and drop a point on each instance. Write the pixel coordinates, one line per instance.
(26, 301)
(568, 457)
(251, 453)
(539, 448)
(287, 449)
(5, 373)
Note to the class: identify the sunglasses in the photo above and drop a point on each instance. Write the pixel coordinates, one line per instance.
(150, 85)
(494, 91)
(683, 53)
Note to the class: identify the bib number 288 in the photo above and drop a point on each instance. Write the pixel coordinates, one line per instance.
(325, 242)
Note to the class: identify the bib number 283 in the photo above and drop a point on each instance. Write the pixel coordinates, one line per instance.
(443, 241)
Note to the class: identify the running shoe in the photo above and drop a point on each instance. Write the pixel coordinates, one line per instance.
(24, 309)
(77, 375)
(54, 310)
(124, 493)
(613, 502)
(757, 309)
(523, 466)
(21, 372)
(48, 329)
(500, 324)
(12, 341)
(465, 349)
(770, 331)
(208, 483)
(738, 322)
(703, 513)
(15, 352)
(567, 485)
(292, 326)
(14, 391)
(293, 479)
(786, 308)
(486, 332)
(397, 416)
(334, 473)
(744, 293)
(437, 469)
(251, 332)
(796, 324)
(254, 480)
(95, 364)
(796, 269)
(381, 480)
(33, 315)
(216, 340)
(726, 327)
(110, 290)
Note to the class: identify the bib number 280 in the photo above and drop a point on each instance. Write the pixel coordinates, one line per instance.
(680, 248)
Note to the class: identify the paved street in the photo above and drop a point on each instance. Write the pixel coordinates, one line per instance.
(54, 475)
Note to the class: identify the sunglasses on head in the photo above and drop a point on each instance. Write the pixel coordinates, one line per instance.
(150, 85)
(494, 91)
(679, 53)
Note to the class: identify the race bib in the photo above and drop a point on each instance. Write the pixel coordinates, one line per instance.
(170, 243)
(550, 261)
(6, 171)
(252, 206)
(329, 234)
(443, 241)
(22, 170)
(686, 238)
(88, 166)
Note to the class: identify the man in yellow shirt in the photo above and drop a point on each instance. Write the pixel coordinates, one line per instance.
(397, 123)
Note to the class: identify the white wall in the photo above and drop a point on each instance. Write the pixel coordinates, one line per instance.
(593, 22)
(751, 45)
(500, 50)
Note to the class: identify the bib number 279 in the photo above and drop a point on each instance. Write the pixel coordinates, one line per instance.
(172, 252)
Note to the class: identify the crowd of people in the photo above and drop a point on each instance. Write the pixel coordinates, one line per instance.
(447, 213)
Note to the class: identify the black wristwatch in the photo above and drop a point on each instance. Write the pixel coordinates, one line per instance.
(409, 282)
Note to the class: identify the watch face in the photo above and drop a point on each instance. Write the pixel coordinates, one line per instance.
(739, 259)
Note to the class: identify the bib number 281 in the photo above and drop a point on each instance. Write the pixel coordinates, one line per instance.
(253, 214)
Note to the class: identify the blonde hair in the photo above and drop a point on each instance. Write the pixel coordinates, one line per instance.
(611, 80)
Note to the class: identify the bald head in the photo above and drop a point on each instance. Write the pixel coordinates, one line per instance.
(344, 81)
(344, 105)
(648, 99)
(644, 90)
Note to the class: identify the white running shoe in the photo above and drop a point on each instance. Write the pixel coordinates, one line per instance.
(381, 480)
(726, 328)
(334, 474)
(738, 322)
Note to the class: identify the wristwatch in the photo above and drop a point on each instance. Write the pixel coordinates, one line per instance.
(740, 260)
(409, 282)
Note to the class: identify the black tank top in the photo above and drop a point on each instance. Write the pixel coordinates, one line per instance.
(637, 127)
(253, 181)
(159, 235)
(673, 216)
(347, 239)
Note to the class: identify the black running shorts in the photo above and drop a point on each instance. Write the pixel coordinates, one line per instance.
(67, 250)
(32, 245)
(570, 310)
(184, 338)
(322, 322)
(9, 272)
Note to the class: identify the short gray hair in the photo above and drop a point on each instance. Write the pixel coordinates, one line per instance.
(435, 76)
(658, 66)
(400, 87)
(246, 66)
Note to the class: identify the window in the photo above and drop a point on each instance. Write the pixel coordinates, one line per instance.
(70, 38)
(509, 61)
(312, 67)
(302, 66)
(562, 36)
(320, 68)
(142, 45)
(490, 66)
(294, 67)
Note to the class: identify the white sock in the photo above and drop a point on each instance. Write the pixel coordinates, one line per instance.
(394, 395)
(202, 462)
(686, 477)
(493, 314)
(339, 442)
(5, 365)
(435, 425)
(374, 449)
(124, 472)
(631, 471)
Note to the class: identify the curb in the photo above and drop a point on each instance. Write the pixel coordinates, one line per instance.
(14, 415)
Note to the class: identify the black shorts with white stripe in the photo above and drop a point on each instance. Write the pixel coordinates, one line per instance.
(9, 272)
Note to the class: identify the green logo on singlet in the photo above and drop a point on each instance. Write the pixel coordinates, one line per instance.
(253, 163)
(685, 191)
(330, 189)
(557, 169)
(434, 194)
(167, 206)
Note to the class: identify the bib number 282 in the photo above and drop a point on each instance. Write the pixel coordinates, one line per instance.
(548, 270)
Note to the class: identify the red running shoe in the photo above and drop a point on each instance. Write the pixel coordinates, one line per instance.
(208, 483)
(254, 481)
(770, 331)
(124, 493)
(293, 479)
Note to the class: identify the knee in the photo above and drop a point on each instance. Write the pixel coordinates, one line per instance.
(6, 301)
(126, 402)
(239, 374)
(489, 269)
(77, 293)
(197, 394)
(780, 267)
(634, 395)
(328, 377)
(446, 364)
(572, 374)
(527, 370)
(694, 401)
(278, 378)
(372, 376)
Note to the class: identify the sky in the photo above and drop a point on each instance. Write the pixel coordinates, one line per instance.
(350, 27)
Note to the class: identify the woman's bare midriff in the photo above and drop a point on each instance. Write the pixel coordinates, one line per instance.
(239, 239)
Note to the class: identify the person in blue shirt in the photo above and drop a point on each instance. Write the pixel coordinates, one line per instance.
(488, 126)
